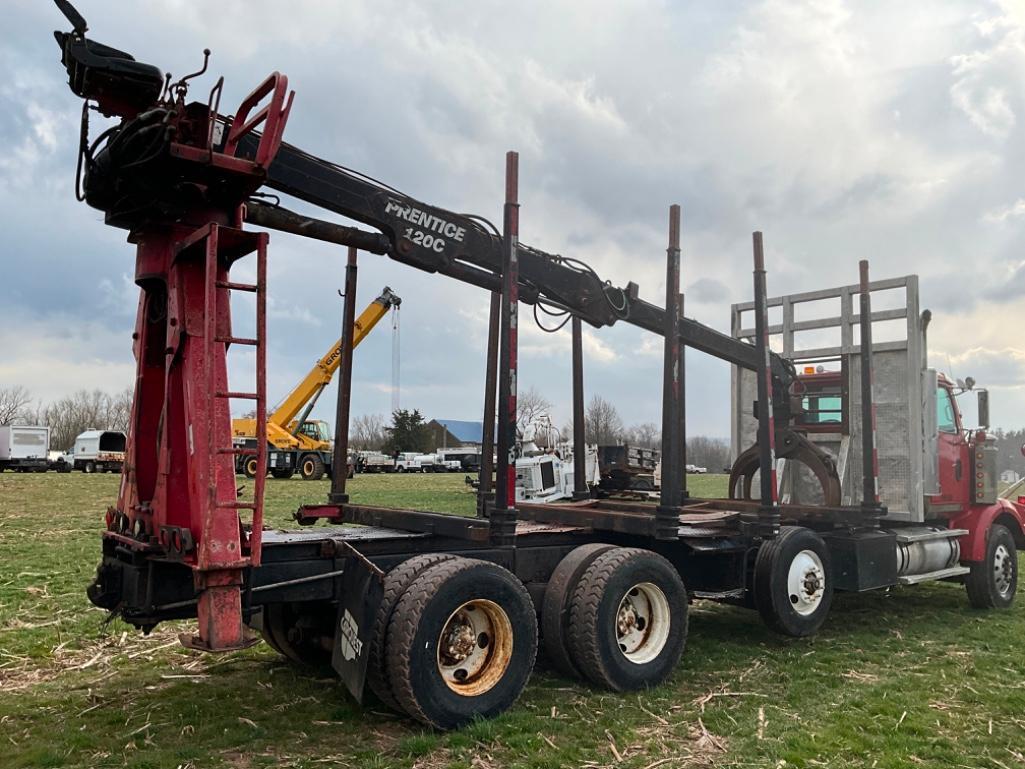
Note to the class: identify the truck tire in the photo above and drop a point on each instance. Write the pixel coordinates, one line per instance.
(396, 583)
(793, 582)
(400, 469)
(249, 467)
(311, 467)
(461, 643)
(993, 582)
(555, 605)
(90, 467)
(302, 633)
(628, 620)
(283, 473)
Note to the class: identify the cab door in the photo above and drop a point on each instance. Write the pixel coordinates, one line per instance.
(951, 448)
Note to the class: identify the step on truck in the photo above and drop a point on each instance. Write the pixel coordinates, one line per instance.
(441, 616)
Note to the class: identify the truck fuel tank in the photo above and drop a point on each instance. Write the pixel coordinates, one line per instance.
(926, 549)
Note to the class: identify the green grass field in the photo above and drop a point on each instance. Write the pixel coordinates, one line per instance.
(910, 677)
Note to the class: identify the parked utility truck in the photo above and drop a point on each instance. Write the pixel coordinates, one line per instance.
(24, 448)
(548, 475)
(99, 451)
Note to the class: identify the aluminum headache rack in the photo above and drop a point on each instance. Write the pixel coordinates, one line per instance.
(821, 332)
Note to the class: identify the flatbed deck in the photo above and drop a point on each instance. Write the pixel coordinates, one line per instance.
(698, 517)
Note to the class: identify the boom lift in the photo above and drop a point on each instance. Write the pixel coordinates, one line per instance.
(297, 442)
(439, 614)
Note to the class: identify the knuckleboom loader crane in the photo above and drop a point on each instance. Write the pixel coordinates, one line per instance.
(297, 443)
(438, 614)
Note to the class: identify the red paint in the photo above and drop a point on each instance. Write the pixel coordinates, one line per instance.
(178, 491)
(954, 452)
(978, 519)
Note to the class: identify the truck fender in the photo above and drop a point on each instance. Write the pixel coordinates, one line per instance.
(978, 521)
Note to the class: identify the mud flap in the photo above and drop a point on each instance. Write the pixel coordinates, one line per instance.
(362, 591)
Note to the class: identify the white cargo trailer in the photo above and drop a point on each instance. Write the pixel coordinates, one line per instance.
(24, 448)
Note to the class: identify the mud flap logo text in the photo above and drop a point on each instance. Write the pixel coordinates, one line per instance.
(350, 645)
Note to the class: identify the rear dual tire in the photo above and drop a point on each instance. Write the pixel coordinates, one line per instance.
(461, 643)
(628, 620)
(555, 608)
(396, 583)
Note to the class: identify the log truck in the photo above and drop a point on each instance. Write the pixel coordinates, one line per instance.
(297, 443)
(440, 615)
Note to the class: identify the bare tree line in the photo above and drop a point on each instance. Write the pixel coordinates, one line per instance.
(85, 409)
(68, 416)
(367, 432)
(14, 404)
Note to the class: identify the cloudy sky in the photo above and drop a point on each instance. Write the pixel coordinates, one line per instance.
(843, 130)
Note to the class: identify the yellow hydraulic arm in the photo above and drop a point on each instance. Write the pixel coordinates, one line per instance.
(280, 428)
(320, 375)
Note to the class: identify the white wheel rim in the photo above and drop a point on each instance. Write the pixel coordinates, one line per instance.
(475, 647)
(642, 623)
(806, 582)
(1003, 570)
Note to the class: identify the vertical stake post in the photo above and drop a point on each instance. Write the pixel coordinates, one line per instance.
(580, 490)
(487, 446)
(768, 511)
(503, 517)
(667, 514)
(869, 454)
(340, 457)
(684, 494)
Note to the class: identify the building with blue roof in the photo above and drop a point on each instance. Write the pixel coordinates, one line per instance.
(452, 433)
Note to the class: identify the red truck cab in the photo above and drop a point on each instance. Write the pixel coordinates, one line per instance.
(961, 478)
(968, 479)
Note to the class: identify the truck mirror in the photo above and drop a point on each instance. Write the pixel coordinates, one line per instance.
(983, 400)
(1023, 449)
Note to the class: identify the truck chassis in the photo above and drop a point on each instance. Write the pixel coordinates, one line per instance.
(440, 614)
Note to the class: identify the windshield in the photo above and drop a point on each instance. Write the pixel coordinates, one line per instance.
(317, 430)
(946, 420)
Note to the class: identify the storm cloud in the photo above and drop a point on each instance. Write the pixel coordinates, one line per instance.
(842, 130)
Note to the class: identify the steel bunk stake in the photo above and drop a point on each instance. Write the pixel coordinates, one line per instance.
(340, 455)
(503, 518)
(667, 514)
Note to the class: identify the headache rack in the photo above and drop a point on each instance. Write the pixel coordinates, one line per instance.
(820, 332)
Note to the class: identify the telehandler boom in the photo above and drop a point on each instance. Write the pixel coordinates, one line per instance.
(298, 443)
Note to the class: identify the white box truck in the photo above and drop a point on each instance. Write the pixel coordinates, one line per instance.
(24, 448)
(100, 451)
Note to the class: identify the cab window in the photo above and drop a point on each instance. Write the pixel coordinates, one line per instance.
(946, 422)
(823, 409)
